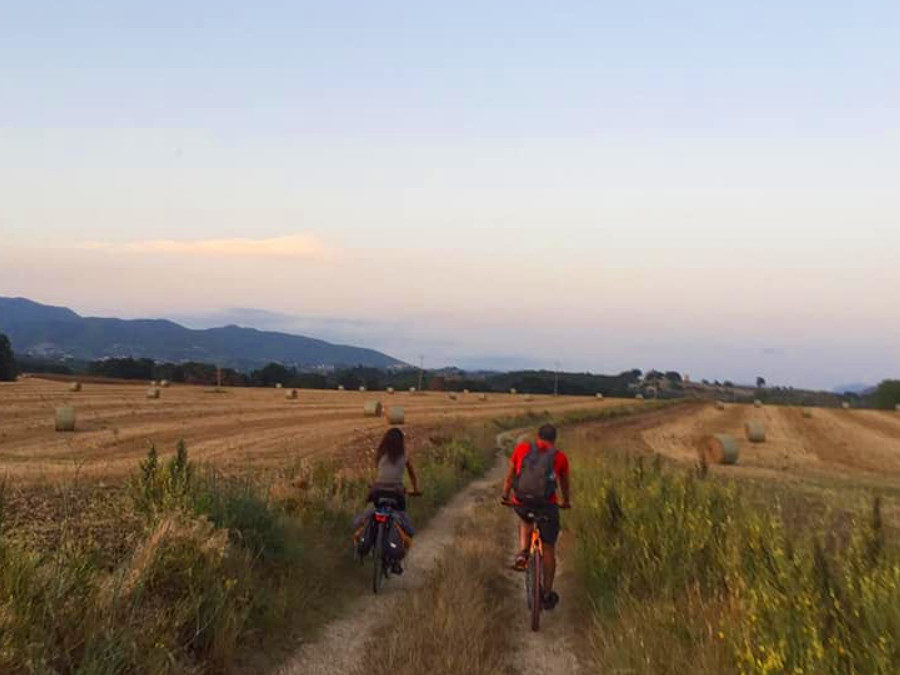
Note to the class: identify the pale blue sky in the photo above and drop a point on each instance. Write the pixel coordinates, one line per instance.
(686, 185)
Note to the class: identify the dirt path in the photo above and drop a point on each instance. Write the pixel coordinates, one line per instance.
(552, 650)
(341, 647)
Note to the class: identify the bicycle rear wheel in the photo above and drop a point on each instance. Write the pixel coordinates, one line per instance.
(533, 585)
(378, 566)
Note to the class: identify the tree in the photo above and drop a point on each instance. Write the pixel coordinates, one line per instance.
(887, 395)
(127, 368)
(760, 382)
(8, 368)
(673, 376)
(273, 373)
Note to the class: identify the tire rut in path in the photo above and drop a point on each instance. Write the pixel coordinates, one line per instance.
(341, 646)
(552, 649)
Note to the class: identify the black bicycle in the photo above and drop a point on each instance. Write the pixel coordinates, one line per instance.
(385, 506)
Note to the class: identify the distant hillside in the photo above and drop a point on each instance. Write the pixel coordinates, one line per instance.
(855, 388)
(57, 332)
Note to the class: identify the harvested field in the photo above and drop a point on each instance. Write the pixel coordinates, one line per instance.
(237, 429)
(856, 445)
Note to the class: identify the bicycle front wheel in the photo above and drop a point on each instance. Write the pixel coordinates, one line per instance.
(378, 554)
(533, 585)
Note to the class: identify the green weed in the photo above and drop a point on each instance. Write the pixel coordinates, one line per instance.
(685, 573)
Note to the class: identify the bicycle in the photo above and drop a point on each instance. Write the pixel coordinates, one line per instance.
(534, 572)
(385, 506)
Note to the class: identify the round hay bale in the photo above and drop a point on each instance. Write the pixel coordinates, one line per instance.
(845, 405)
(412, 390)
(278, 385)
(452, 396)
(396, 415)
(372, 409)
(65, 418)
(465, 391)
(529, 398)
(897, 407)
(163, 383)
(340, 387)
(390, 390)
(720, 449)
(153, 392)
(154, 383)
(757, 403)
(482, 397)
(75, 386)
(720, 405)
(362, 387)
(806, 412)
(639, 397)
(513, 391)
(292, 394)
(756, 431)
(599, 395)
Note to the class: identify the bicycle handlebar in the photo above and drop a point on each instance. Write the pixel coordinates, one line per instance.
(510, 502)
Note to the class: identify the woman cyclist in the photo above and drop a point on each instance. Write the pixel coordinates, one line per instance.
(391, 464)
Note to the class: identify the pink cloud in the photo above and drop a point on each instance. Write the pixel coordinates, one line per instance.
(291, 246)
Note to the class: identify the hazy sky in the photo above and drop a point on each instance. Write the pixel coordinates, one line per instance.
(712, 187)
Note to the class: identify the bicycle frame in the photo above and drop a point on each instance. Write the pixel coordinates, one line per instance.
(534, 573)
(383, 513)
(536, 546)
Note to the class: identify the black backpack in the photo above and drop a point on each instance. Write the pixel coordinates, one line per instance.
(536, 481)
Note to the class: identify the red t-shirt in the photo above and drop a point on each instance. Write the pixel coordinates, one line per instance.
(560, 462)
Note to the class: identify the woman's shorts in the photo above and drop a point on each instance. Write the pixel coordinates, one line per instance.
(398, 495)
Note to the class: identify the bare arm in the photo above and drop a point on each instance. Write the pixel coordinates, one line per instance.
(510, 477)
(412, 476)
(564, 488)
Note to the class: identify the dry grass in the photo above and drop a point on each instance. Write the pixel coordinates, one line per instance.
(459, 622)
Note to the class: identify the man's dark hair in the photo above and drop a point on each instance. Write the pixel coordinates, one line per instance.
(547, 433)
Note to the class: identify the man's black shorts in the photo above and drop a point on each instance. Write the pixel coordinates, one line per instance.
(549, 520)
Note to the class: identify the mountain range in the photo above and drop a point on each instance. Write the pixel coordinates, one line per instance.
(57, 333)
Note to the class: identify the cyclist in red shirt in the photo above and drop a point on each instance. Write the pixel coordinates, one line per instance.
(550, 508)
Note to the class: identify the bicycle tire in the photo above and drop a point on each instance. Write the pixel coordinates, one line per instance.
(535, 590)
(378, 566)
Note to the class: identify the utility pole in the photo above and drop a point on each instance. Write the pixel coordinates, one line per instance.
(421, 370)
(556, 379)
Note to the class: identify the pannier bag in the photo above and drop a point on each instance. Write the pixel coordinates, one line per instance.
(364, 532)
(397, 542)
(398, 537)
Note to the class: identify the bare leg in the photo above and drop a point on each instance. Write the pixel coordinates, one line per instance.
(549, 566)
(525, 535)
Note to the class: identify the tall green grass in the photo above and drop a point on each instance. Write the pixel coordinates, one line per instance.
(685, 574)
